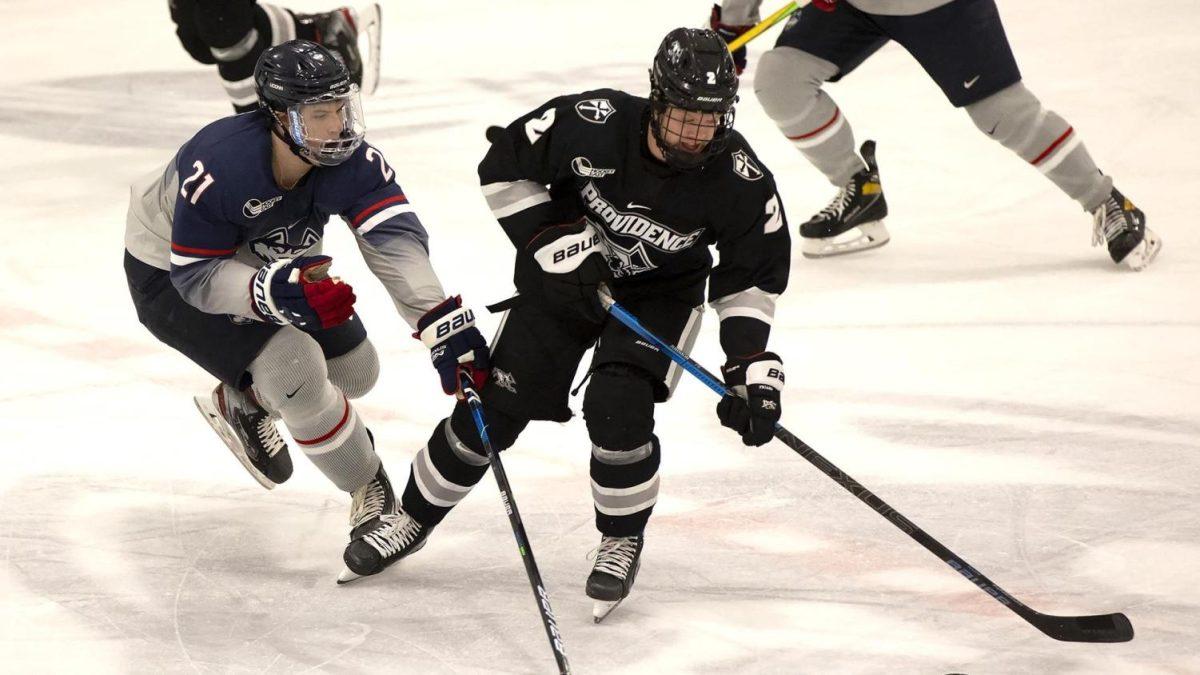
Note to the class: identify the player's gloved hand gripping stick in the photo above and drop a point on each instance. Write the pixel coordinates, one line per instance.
(1096, 628)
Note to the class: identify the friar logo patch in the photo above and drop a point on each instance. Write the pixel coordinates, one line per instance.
(745, 167)
(595, 110)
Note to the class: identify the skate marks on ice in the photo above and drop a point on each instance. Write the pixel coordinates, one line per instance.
(209, 578)
(162, 109)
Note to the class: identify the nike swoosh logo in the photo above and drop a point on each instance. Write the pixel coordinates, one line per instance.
(994, 127)
(631, 205)
(971, 82)
(295, 392)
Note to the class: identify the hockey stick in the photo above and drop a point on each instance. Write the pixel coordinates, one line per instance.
(518, 527)
(763, 25)
(1096, 628)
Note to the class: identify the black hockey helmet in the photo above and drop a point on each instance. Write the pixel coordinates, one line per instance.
(312, 104)
(692, 72)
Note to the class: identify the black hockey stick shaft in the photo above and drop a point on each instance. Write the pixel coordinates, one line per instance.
(518, 528)
(1097, 628)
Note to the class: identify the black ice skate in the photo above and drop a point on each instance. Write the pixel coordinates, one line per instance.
(1121, 225)
(249, 432)
(393, 537)
(339, 30)
(612, 576)
(853, 221)
(370, 502)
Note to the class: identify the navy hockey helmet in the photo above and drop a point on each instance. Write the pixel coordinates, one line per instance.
(313, 106)
(693, 89)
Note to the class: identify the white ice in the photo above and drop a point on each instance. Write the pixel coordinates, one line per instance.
(994, 378)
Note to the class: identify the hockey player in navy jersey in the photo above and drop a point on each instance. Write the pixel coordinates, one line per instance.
(223, 263)
(607, 187)
(232, 34)
(963, 47)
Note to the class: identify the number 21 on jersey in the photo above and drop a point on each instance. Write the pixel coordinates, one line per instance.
(208, 180)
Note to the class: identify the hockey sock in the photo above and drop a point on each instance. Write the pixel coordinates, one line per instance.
(788, 86)
(442, 474)
(290, 376)
(1017, 120)
(625, 488)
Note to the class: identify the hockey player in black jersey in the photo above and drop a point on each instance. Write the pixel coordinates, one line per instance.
(232, 34)
(222, 255)
(605, 187)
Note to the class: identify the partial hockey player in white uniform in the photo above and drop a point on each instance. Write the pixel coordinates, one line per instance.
(232, 34)
(962, 45)
(223, 263)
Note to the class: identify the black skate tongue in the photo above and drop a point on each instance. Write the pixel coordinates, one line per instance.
(868, 154)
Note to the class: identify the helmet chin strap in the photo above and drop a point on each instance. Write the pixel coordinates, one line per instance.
(277, 130)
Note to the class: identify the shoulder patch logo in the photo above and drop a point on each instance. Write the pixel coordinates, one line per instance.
(253, 207)
(595, 110)
(582, 166)
(745, 167)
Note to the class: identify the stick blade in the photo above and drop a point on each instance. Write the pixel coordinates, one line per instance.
(1095, 628)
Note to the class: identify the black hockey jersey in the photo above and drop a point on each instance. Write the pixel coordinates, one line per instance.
(587, 154)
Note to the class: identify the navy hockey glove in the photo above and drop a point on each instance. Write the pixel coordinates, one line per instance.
(729, 33)
(300, 292)
(455, 344)
(573, 261)
(757, 382)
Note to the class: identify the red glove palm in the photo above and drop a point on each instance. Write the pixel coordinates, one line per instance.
(300, 292)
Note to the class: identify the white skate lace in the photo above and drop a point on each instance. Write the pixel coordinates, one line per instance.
(1108, 220)
(269, 436)
(396, 532)
(367, 502)
(838, 206)
(615, 556)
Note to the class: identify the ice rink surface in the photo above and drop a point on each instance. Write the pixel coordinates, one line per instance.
(998, 381)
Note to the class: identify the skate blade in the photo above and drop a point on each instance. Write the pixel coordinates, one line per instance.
(370, 23)
(602, 608)
(209, 411)
(1144, 253)
(347, 576)
(861, 238)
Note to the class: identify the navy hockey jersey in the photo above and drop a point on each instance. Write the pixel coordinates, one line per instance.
(215, 214)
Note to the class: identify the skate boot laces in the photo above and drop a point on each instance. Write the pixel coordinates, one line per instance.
(1108, 221)
(615, 555)
(367, 503)
(245, 414)
(269, 436)
(395, 533)
(837, 207)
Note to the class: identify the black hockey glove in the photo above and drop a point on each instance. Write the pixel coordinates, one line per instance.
(572, 260)
(757, 382)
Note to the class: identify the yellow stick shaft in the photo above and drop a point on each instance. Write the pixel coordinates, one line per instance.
(764, 25)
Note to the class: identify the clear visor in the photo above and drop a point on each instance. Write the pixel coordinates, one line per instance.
(328, 131)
